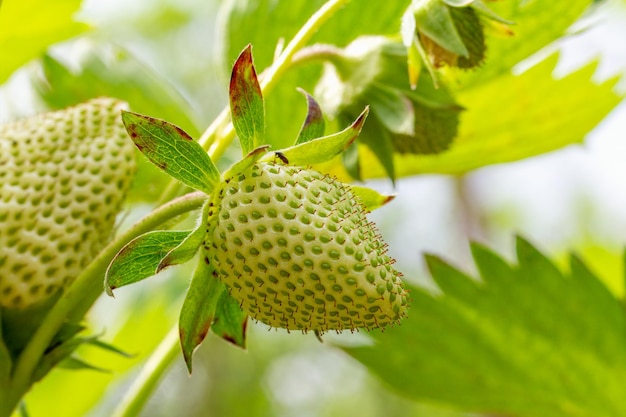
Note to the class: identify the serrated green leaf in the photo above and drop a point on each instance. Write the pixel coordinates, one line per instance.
(30, 26)
(230, 321)
(434, 130)
(246, 103)
(325, 148)
(188, 247)
(172, 150)
(371, 199)
(313, 126)
(199, 308)
(525, 341)
(140, 258)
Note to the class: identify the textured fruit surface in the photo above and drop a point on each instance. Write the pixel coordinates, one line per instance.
(63, 178)
(295, 248)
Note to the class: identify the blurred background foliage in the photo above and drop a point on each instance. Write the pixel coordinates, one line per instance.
(171, 59)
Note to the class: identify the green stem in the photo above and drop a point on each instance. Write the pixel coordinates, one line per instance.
(216, 139)
(84, 291)
(141, 390)
(269, 78)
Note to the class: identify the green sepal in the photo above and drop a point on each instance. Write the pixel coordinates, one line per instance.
(246, 162)
(172, 150)
(325, 148)
(246, 102)
(433, 19)
(230, 321)
(371, 199)
(76, 364)
(92, 341)
(199, 308)
(313, 126)
(60, 354)
(140, 257)
(54, 356)
(67, 332)
(188, 247)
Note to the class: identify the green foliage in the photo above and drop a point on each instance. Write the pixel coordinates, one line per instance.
(536, 24)
(575, 105)
(172, 150)
(524, 340)
(113, 71)
(319, 150)
(188, 247)
(230, 321)
(198, 311)
(283, 120)
(140, 258)
(30, 26)
(490, 90)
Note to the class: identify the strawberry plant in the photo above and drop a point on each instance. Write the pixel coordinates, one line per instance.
(262, 219)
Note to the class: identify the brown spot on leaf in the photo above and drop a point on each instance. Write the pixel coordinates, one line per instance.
(203, 332)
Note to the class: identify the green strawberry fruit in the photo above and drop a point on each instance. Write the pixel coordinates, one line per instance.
(63, 178)
(295, 249)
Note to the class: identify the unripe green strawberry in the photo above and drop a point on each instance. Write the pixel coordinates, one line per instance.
(63, 178)
(296, 250)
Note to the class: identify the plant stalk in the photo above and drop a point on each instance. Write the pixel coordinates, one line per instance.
(140, 391)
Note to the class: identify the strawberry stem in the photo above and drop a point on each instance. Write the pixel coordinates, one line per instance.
(141, 389)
